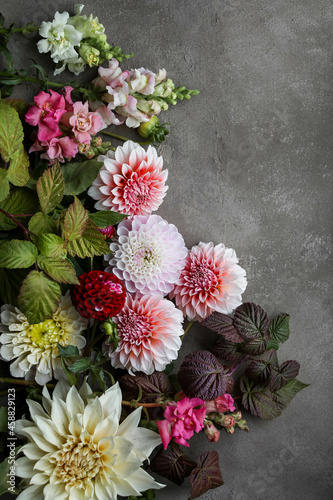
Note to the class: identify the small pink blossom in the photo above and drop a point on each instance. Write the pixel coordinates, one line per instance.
(181, 421)
(84, 123)
(46, 114)
(142, 80)
(221, 404)
(108, 231)
(66, 91)
(212, 434)
(61, 149)
(228, 422)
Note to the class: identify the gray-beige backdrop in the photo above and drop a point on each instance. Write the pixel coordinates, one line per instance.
(250, 165)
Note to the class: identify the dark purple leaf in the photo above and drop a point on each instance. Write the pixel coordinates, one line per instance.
(223, 324)
(153, 386)
(227, 351)
(251, 321)
(202, 376)
(255, 347)
(207, 475)
(258, 369)
(257, 398)
(287, 371)
(173, 464)
(279, 328)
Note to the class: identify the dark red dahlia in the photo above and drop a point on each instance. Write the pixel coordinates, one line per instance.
(99, 295)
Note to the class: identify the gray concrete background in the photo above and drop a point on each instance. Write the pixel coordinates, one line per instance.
(249, 165)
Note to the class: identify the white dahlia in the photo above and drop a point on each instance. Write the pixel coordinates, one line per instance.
(34, 347)
(148, 255)
(77, 449)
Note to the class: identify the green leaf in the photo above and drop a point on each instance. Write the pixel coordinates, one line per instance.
(80, 366)
(18, 171)
(90, 244)
(17, 254)
(19, 201)
(60, 270)
(75, 221)
(68, 351)
(257, 398)
(251, 321)
(50, 188)
(286, 394)
(4, 184)
(39, 297)
(11, 132)
(207, 475)
(70, 376)
(79, 176)
(106, 218)
(10, 284)
(279, 328)
(41, 223)
(19, 104)
(272, 344)
(50, 245)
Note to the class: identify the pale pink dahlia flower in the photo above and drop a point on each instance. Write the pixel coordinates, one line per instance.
(149, 329)
(131, 180)
(148, 255)
(211, 281)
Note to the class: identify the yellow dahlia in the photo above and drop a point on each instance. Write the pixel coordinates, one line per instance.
(34, 347)
(77, 449)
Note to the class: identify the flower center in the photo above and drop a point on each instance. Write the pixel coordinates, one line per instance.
(77, 463)
(45, 334)
(133, 328)
(145, 259)
(201, 277)
(136, 193)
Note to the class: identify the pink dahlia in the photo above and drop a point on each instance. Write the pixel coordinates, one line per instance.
(131, 180)
(181, 420)
(211, 281)
(148, 255)
(149, 329)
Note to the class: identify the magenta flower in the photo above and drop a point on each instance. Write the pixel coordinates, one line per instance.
(182, 420)
(221, 404)
(61, 149)
(211, 281)
(47, 114)
(84, 123)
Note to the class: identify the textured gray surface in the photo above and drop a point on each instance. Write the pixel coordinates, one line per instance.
(250, 166)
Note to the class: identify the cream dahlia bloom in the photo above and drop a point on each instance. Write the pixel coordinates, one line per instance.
(148, 255)
(150, 331)
(77, 449)
(211, 281)
(131, 180)
(34, 347)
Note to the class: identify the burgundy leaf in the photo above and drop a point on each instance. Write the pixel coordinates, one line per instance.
(258, 369)
(153, 386)
(227, 351)
(287, 371)
(207, 475)
(222, 324)
(251, 321)
(258, 399)
(173, 464)
(202, 376)
(255, 347)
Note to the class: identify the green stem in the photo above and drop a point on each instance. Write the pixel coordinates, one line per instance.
(26, 231)
(19, 30)
(187, 328)
(123, 138)
(27, 383)
(145, 405)
(93, 340)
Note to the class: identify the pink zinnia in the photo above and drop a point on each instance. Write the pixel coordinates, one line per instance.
(149, 329)
(131, 181)
(211, 281)
(182, 420)
(148, 255)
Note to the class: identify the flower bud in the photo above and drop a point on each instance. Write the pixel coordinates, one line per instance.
(230, 430)
(96, 141)
(146, 128)
(89, 54)
(228, 422)
(237, 415)
(90, 154)
(212, 434)
(83, 148)
(107, 231)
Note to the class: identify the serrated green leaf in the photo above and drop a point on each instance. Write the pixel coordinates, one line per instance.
(68, 351)
(16, 254)
(50, 245)
(41, 223)
(18, 170)
(272, 344)
(10, 284)
(19, 201)
(257, 398)
(50, 188)
(79, 176)
(91, 243)
(19, 104)
(75, 220)
(286, 394)
(4, 184)
(279, 328)
(39, 297)
(80, 366)
(58, 269)
(11, 132)
(106, 218)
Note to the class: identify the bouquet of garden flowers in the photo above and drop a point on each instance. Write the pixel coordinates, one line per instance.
(98, 291)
